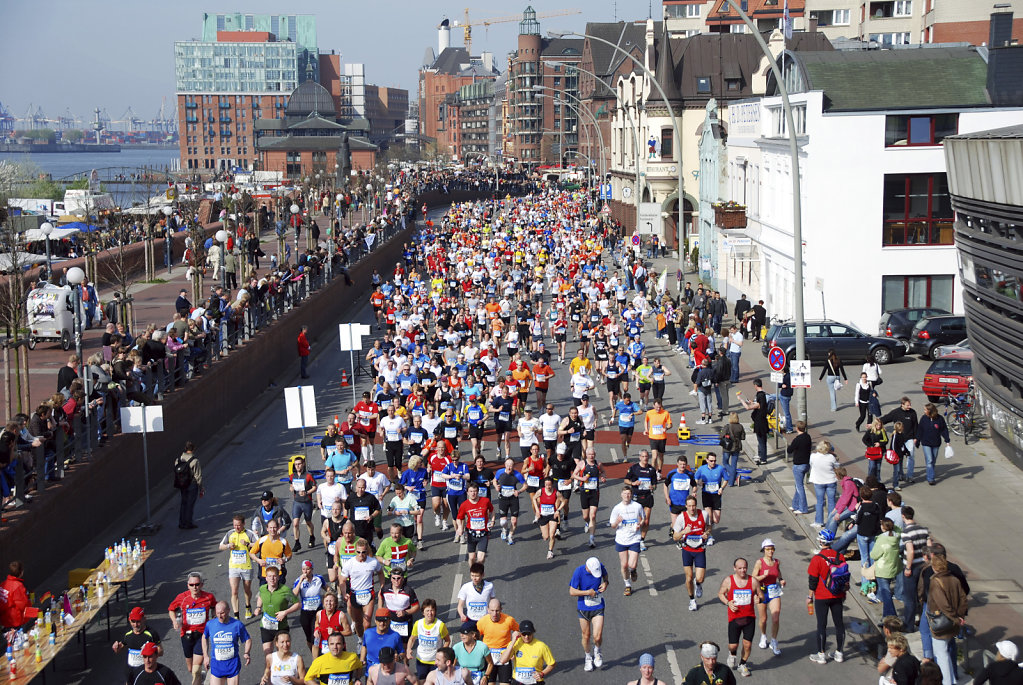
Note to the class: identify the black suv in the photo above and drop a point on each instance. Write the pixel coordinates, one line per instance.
(932, 331)
(850, 345)
(898, 323)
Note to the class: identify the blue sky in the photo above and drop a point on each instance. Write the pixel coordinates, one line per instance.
(82, 54)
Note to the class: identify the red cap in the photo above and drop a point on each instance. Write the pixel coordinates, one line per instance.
(136, 614)
(383, 613)
(148, 649)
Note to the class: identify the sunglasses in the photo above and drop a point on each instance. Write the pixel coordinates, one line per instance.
(195, 585)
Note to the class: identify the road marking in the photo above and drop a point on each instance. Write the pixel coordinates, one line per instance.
(614, 454)
(649, 575)
(453, 604)
(673, 664)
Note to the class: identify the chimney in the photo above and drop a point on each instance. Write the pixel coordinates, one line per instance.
(812, 25)
(443, 36)
(1000, 32)
(488, 60)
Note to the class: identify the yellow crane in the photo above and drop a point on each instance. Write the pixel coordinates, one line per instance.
(467, 24)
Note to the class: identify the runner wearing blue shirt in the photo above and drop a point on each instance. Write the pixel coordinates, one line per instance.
(375, 640)
(714, 479)
(614, 373)
(221, 641)
(475, 416)
(677, 485)
(457, 476)
(501, 406)
(344, 462)
(405, 381)
(626, 410)
(588, 585)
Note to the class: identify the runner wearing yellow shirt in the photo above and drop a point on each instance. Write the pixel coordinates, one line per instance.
(531, 660)
(581, 362)
(656, 426)
(337, 666)
(239, 564)
(522, 377)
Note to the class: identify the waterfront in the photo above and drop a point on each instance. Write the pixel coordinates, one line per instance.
(64, 164)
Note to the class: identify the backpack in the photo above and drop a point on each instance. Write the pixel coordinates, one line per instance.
(838, 579)
(727, 442)
(182, 474)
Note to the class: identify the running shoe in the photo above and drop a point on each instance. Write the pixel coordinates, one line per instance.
(248, 612)
(593, 543)
(775, 648)
(588, 665)
(839, 657)
(504, 534)
(633, 575)
(710, 540)
(699, 590)
(444, 527)
(819, 658)
(510, 540)
(298, 546)
(421, 544)
(550, 554)
(692, 605)
(312, 541)
(763, 642)
(744, 670)
(436, 521)
(598, 659)
(642, 546)
(733, 660)
(628, 590)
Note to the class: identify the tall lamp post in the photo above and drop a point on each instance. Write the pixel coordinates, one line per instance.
(296, 222)
(76, 277)
(167, 238)
(222, 237)
(47, 229)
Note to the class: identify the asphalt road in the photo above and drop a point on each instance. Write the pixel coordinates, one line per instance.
(654, 619)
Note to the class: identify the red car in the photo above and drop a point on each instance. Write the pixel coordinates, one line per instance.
(950, 375)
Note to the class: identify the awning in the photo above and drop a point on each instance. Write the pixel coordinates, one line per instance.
(34, 234)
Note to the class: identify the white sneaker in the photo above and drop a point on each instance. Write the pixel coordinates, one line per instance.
(775, 648)
(819, 658)
(692, 605)
(598, 660)
(504, 534)
(588, 666)
(642, 546)
(445, 525)
(744, 670)
(839, 657)
(763, 642)
(710, 540)
(732, 660)
(436, 521)
(550, 554)
(458, 538)
(692, 392)
(699, 590)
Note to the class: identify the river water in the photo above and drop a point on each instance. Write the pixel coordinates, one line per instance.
(63, 164)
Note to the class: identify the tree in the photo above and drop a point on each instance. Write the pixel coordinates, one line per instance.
(47, 135)
(73, 135)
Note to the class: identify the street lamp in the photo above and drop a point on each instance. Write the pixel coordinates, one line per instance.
(76, 278)
(47, 229)
(168, 234)
(580, 110)
(222, 238)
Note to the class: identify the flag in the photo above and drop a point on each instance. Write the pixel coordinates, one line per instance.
(786, 21)
(662, 282)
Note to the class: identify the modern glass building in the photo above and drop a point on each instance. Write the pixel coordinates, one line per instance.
(985, 173)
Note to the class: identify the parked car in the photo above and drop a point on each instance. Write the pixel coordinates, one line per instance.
(942, 351)
(899, 323)
(932, 331)
(952, 374)
(851, 345)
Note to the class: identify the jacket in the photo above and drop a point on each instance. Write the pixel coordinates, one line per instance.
(945, 594)
(849, 497)
(14, 607)
(885, 553)
(931, 432)
(258, 526)
(193, 463)
(907, 416)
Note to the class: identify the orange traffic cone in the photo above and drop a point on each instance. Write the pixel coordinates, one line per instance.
(344, 381)
(683, 429)
(337, 424)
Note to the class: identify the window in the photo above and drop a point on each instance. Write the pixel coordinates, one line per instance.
(889, 39)
(840, 17)
(917, 210)
(667, 140)
(703, 84)
(838, 331)
(733, 84)
(903, 8)
(924, 129)
(898, 292)
(691, 11)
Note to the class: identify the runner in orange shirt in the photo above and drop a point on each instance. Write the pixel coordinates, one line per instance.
(377, 299)
(542, 375)
(656, 425)
(522, 377)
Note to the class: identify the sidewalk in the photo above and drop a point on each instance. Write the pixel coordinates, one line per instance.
(972, 510)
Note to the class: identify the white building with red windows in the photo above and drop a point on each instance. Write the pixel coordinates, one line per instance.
(877, 220)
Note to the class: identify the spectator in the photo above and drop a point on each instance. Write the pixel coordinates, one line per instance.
(188, 479)
(303, 351)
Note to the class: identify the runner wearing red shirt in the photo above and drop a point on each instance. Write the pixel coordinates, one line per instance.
(542, 375)
(474, 519)
(739, 592)
(368, 412)
(823, 602)
(352, 433)
(560, 331)
(196, 607)
(436, 462)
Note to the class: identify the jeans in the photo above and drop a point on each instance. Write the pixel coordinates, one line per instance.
(865, 543)
(843, 542)
(799, 476)
(831, 391)
(189, 496)
(304, 359)
(925, 636)
(944, 655)
(783, 402)
(825, 500)
(898, 475)
(734, 357)
(909, 598)
(762, 447)
(724, 399)
(874, 468)
(909, 460)
(715, 323)
(705, 402)
(930, 457)
(884, 593)
(833, 521)
(731, 464)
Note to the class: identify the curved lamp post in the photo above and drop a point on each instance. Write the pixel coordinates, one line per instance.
(168, 234)
(47, 229)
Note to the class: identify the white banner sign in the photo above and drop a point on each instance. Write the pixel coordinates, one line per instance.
(351, 335)
(799, 369)
(142, 419)
(301, 408)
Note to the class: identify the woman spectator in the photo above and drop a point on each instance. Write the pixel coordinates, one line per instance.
(930, 432)
(899, 667)
(887, 564)
(867, 521)
(876, 442)
(800, 451)
(42, 427)
(898, 446)
(823, 476)
(861, 397)
(834, 373)
(845, 508)
(873, 371)
(946, 613)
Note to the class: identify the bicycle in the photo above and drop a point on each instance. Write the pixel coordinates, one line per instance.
(959, 412)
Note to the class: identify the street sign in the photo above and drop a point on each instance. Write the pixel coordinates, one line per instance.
(776, 358)
(300, 405)
(351, 335)
(800, 372)
(606, 209)
(635, 239)
(777, 376)
(627, 192)
(818, 284)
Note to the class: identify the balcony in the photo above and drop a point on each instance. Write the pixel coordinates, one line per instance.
(225, 119)
(730, 215)
(191, 105)
(225, 105)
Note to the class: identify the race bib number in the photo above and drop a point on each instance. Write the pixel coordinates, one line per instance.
(526, 676)
(331, 548)
(454, 483)
(363, 597)
(298, 485)
(504, 416)
(590, 484)
(533, 481)
(773, 591)
(477, 523)
(594, 601)
(239, 558)
(134, 658)
(680, 484)
(574, 437)
(361, 513)
(195, 616)
(564, 484)
(339, 679)
(546, 510)
(507, 491)
(400, 628)
(694, 540)
(310, 603)
(712, 488)
(273, 562)
(476, 610)
(742, 597)
(657, 431)
(402, 512)
(268, 622)
(541, 377)
(428, 642)
(450, 432)
(495, 656)
(476, 675)
(630, 524)
(223, 653)
(644, 483)
(417, 438)
(392, 436)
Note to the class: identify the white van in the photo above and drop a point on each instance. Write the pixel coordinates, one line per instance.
(51, 316)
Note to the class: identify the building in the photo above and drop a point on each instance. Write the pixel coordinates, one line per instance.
(309, 139)
(543, 89)
(884, 22)
(241, 70)
(474, 104)
(440, 77)
(385, 110)
(875, 203)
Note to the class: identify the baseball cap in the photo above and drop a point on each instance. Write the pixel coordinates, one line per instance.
(383, 613)
(709, 651)
(468, 627)
(307, 564)
(768, 542)
(526, 627)
(585, 396)
(594, 567)
(386, 655)
(148, 649)
(646, 659)
(1007, 649)
(369, 462)
(267, 495)
(136, 614)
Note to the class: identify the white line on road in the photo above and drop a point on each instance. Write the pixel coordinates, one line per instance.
(453, 605)
(649, 575)
(614, 454)
(673, 664)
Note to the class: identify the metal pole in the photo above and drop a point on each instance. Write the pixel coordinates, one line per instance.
(797, 220)
(145, 465)
(301, 421)
(49, 264)
(351, 357)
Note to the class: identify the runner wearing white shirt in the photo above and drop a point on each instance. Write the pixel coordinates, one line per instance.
(588, 415)
(581, 384)
(359, 573)
(527, 429)
(392, 428)
(549, 423)
(627, 520)
(329, 492)
(475, 595)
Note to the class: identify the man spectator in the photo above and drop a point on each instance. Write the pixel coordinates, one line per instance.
(717, 309)
(910, 421)
(759, 319)
(67, 374)
(1004, 670)
(742, 305)
(188, 479)
(181, 305)
(912, 544)
(735, 340)
(303, 351)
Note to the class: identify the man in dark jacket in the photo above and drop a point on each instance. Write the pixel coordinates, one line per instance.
(716, 309)
(759, 319)
(722, 381)
(742, 305)
(908, 416)
(181, 305)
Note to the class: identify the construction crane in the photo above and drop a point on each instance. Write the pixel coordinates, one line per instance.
(467, 24)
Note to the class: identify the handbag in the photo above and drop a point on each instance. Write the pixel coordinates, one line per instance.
(879, 381)
(874, 452)
(837, 385)
(867, 573)
(939, 622)
(892, 457)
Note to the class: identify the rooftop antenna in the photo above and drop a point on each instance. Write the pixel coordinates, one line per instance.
(614, 8)
(649, 9)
